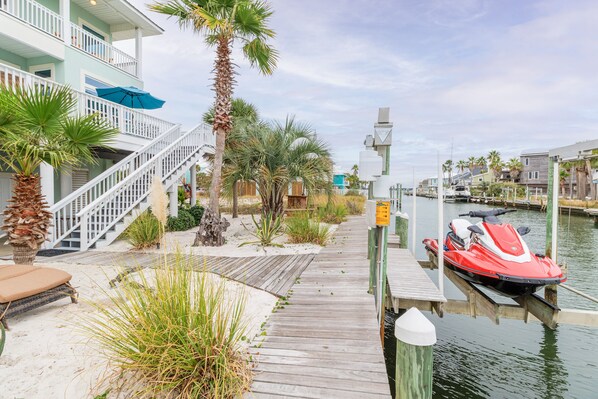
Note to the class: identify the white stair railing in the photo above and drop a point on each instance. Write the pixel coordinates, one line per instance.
(65, 211)
(101, 215)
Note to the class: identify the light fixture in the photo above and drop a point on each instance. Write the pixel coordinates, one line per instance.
(93, 2)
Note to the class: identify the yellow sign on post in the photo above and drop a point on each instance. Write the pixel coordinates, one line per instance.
(382, 213)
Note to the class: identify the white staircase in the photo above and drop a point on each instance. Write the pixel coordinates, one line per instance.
(97, 213)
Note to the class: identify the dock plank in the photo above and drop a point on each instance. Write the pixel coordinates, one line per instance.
(325, 342)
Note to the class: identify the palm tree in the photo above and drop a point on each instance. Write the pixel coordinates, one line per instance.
(563, 175)
(461, 165)
(222, 22)
(243, 114)
(447, 167)
(481, 162)
(274, 155)
(515, 167)
(353, 178)
(471, 164)
(35, 127)
(495, 163)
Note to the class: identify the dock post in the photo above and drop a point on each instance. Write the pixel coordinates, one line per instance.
(402, 229)
(415, 336)
(552, 220)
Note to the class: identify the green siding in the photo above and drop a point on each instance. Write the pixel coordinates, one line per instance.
(12, 58)
(78, 63)
(51, 4)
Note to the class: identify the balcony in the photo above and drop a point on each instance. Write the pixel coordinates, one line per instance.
(128, 121)
(51, 23)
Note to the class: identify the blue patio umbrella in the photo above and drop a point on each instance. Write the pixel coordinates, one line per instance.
(130, 96)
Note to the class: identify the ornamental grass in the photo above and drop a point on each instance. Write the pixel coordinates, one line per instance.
(174, 333)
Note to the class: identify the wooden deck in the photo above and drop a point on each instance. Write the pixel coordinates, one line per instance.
(274, 274)
(408, 283)
(326, 342)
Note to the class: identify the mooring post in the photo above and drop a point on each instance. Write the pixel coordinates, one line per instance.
(402, 229)
(415, 336)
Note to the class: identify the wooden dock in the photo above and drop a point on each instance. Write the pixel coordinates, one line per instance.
(409, 285)
(274, 274)
(325, 343)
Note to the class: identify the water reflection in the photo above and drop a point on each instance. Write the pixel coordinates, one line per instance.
(555, 374)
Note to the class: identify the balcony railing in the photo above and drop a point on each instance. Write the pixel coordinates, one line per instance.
(103, 50)
(34, 14)
(126, 120)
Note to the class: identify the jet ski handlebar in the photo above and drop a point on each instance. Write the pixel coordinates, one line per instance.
(491, 212)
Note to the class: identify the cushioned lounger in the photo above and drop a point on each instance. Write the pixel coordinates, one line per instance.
(25, 287)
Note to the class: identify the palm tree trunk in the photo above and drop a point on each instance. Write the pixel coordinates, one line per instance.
(235, 200)
(222, 120)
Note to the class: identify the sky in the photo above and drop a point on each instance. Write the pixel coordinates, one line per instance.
(461, 77)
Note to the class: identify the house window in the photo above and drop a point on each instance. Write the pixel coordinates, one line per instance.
(91, 84)
(45, 71)
(93, 32)
(536, 175)
(526, 161)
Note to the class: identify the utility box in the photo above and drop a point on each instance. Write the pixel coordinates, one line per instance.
(377, 213)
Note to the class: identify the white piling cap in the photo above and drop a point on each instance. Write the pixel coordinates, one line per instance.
(402, 215)
(414, 328)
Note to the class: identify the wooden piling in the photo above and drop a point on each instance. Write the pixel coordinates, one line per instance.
(402, 229)
(415, 336)
(552, 218)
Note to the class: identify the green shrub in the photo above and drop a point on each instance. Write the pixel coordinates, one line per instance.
(145, 231)
(197, 212)
(178, 336)
(181, 196)
(301, 229)
(267, 229)
(180, 223)
(352, 193)
(332, 213)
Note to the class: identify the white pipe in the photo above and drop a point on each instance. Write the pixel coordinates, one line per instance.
(555, 209)
(414, 218)
(440, 227)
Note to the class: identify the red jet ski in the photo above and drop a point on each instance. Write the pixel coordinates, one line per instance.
(493, 254)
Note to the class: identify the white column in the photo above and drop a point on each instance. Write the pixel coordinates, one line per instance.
(66, 181)
(65, 13)
(440, 227)
(555, 209)
(193, 199)
(174, 200)
(138, 50)
(46, 173)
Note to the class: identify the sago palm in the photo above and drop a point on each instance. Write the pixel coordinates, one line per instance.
(274, 155)
(222, 23)
(36, 127)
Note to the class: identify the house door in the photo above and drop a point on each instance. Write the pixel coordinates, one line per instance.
(5, 193)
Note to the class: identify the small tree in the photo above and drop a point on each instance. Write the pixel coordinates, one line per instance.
(36, 127)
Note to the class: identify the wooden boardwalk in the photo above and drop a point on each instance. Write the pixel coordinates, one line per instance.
(408, 283)
(274, 274)
(326, 342)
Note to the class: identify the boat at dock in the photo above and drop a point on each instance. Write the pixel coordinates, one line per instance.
(493, 254)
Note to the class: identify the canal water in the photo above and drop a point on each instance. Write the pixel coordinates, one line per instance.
(475, 358)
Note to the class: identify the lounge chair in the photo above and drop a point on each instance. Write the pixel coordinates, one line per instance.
(26, 287)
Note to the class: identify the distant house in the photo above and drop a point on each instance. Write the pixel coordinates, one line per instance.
(339, 181)
(485, 177)
(535, 169)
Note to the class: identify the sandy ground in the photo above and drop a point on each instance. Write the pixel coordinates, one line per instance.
(48, 356)
(237, 233)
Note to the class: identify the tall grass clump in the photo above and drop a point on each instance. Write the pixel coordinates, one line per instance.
(180, 338)
(355, 204)
(301, 229)
(332, 213)
(145, 231)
